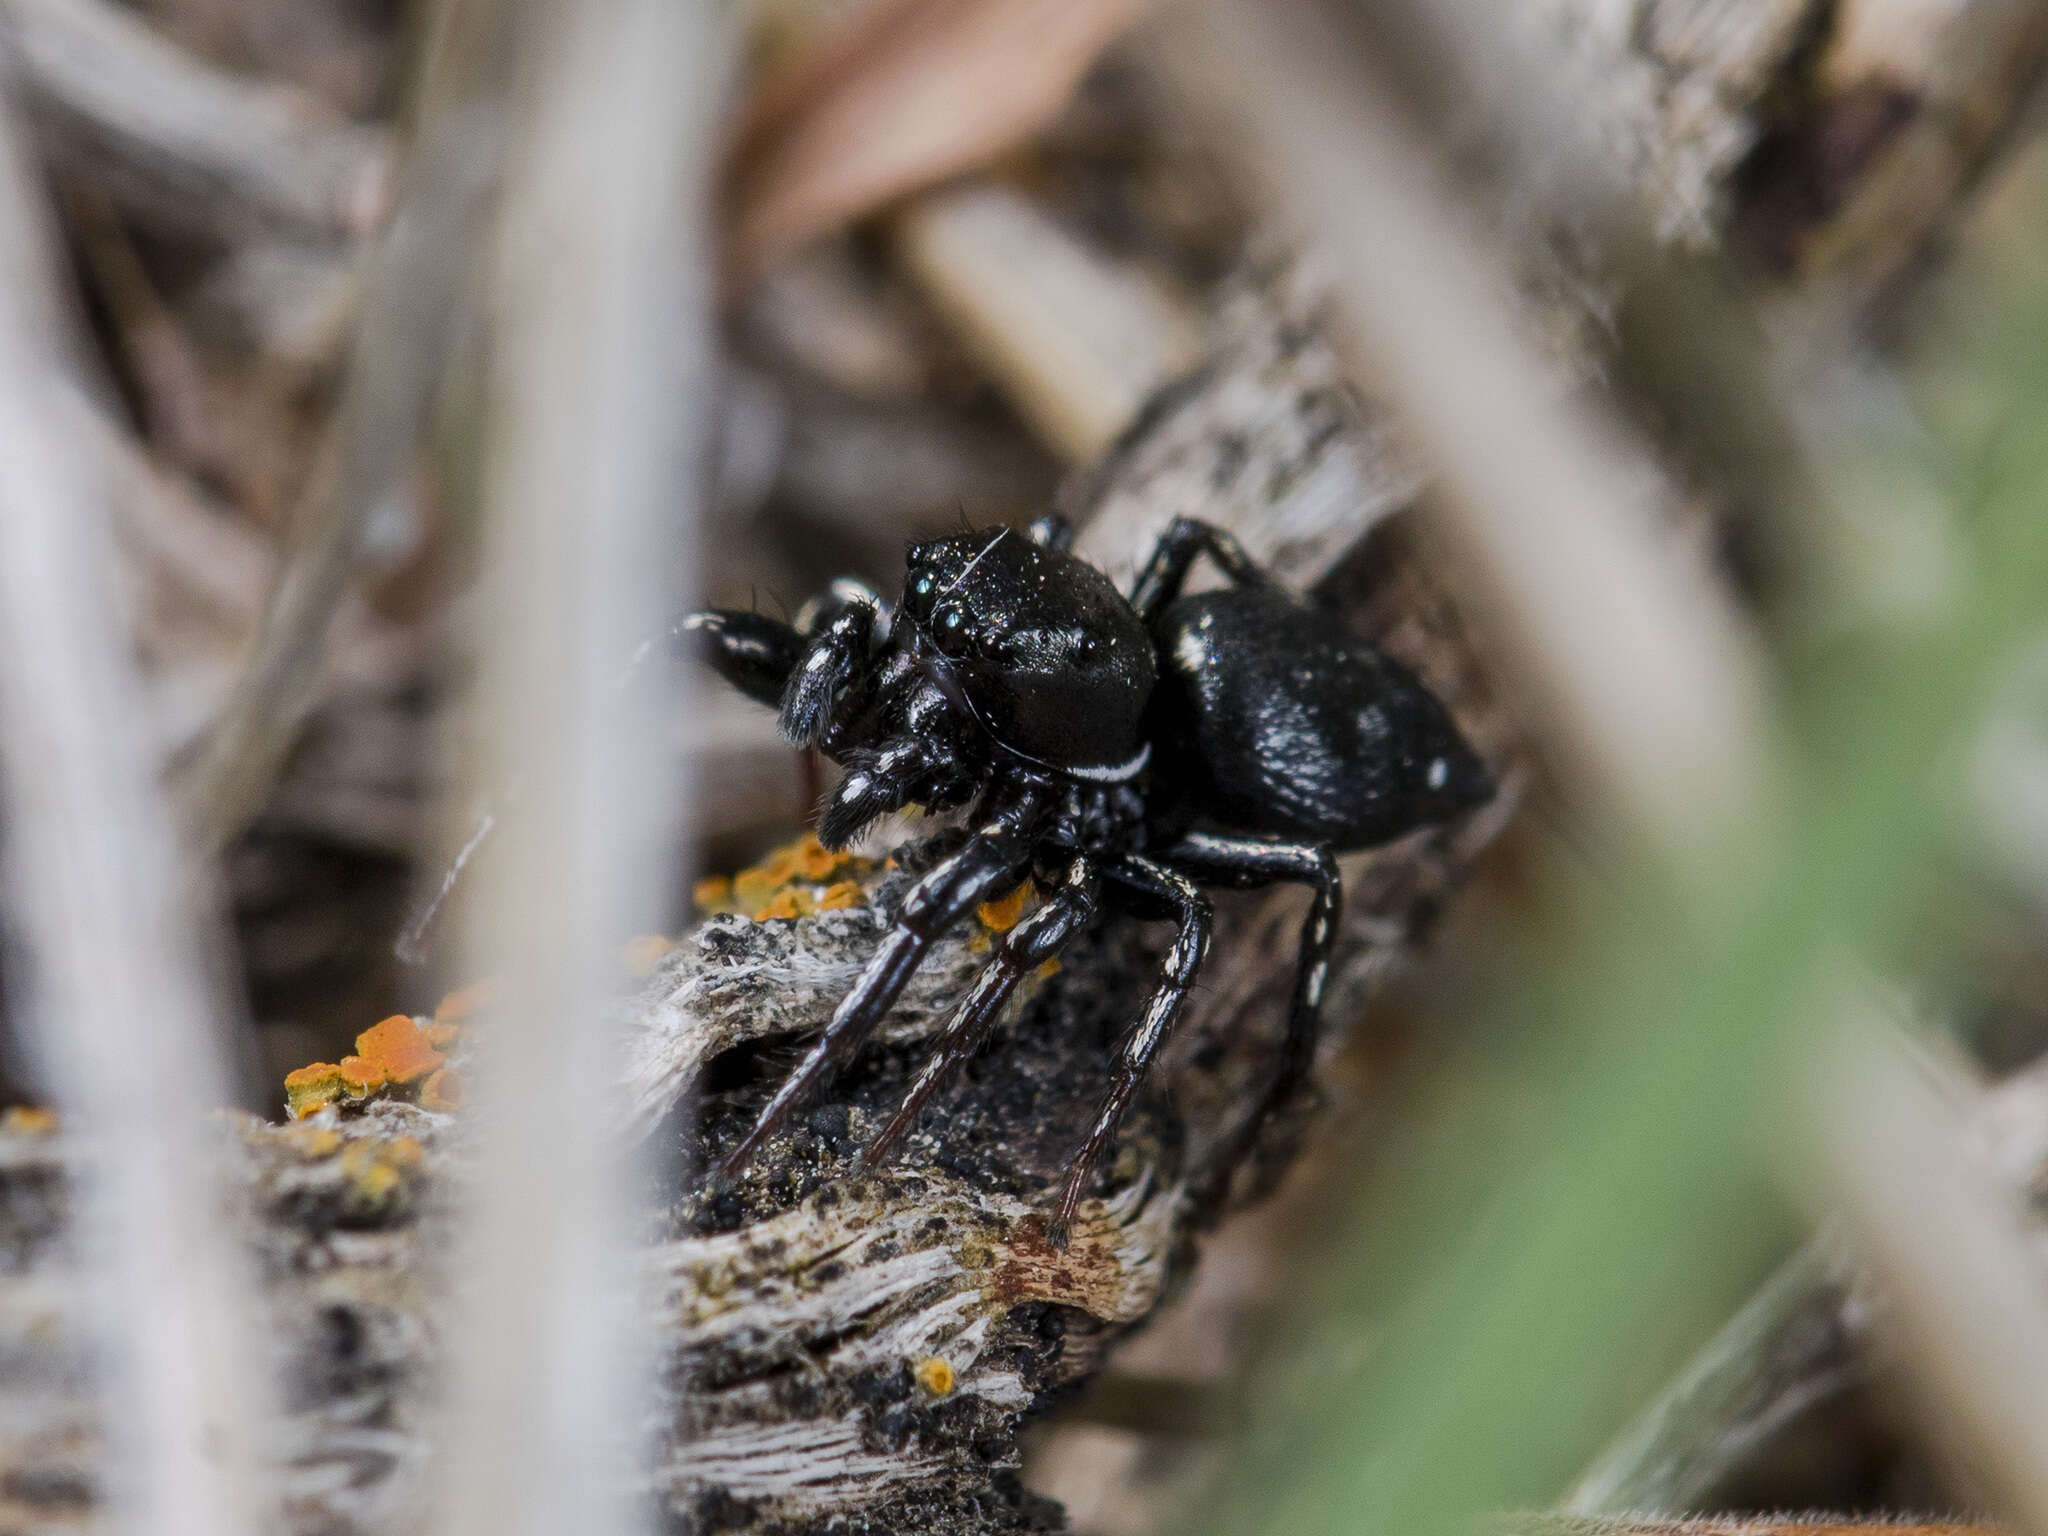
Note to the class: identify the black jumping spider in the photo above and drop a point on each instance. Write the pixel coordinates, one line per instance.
(1110, 746)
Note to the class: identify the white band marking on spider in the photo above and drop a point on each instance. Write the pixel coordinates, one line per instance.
(1119, 772)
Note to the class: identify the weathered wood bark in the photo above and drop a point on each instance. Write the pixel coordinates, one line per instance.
(861, 1351)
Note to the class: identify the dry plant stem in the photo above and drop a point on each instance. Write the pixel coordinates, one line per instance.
(180, 144)
(411, 304)
(128, 1028)
(1078, 342)
(922, 90)
(1788, 1349)
(599, 346)
(1741, 1525)
(1633, 657)
(1806, 1334)
(1946, 1242)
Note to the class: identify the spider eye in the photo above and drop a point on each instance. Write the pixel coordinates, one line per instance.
(1085, 646)
(922, 586)
(950, 620)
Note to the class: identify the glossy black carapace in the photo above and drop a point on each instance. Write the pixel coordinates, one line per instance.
(1123, 748)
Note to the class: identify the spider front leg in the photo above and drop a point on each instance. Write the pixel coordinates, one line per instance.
(844, 624)
(912, 768)
(753, 652)
(1039, 938)
(1155, 889)
(990, 864)
(1166, 572)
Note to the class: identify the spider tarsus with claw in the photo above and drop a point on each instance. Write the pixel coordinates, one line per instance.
(1121, 748)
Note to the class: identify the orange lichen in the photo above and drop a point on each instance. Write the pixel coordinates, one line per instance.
(312, 1088)
(316, 1141)
(1001, 915)
(785, 903)
(813, 862)
(393, 1053)
(376, 1169)
(934, 1375)
(795, 880)
(360, 1075)
(441, 1036)
(642, 954)
(847, 893)
(28, 1120)
(445, 1090)
(462, 1002)
(399, 1049)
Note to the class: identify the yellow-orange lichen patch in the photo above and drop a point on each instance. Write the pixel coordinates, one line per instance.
(375, 1169)
(441, 1036)
(786, 903)
(312, 1088)
(28, 1120)
(934, 1375)
(316, 1141)
(360, 1075)
(393, 1053)
(444, 1091)
(462, 1002)
(796, 880)
(814, 861)
(642, 954)
(398, 1048)
(1002, 914)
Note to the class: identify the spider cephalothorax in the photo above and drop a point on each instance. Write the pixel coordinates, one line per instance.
(1133, 748)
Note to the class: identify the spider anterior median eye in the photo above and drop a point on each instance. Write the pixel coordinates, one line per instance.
(950, 620)
(1439, 773)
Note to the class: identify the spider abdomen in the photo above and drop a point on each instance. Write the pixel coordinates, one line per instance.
(1283, 722)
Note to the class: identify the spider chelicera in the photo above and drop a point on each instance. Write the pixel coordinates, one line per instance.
(1130, 748)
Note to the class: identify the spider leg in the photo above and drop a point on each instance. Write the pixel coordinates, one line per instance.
(835, 660)
(1021, 951)
(1051, 531)
(753, 652)
(1156, 888)
(1247, 862)
(759, 655)
(879, 782)
(990, 863)
(1166, 572)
